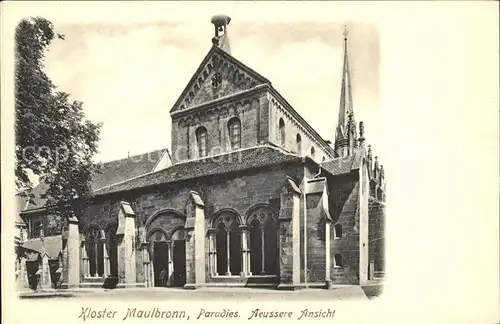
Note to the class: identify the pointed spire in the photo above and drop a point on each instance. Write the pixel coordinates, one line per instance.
(370, 154)
(345, 109)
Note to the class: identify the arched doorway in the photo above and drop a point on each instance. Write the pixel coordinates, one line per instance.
(179, 258)
(159, 247)
(166, 236)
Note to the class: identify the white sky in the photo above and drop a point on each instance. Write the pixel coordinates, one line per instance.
(129, 75)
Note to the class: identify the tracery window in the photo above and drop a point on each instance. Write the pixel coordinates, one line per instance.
(201, 139)
(263, 241)
(234, 126)
(227, 245)
(94, 247)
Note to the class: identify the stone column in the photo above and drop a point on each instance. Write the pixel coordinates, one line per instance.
(107, 271)
(86, 262)
(263, 252)
(170, 257)
(245, 252)
(289, 236)
(328, 279)
(212, 254)
(22, 278)
(125, 235)
(73, 246)
(195, 241)
(45, 282)
(228, 252)
(146, 264)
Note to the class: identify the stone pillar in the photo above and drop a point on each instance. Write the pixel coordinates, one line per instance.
(195, 241)
(212, 252)
(73, 247)
(22, 278)
(328, 279)
(289, 236)
(107, 271)
(170, 257)
(86, 261)
(45, 282)
(228, 252)
(146, 264)
(125, 235)
(245, 252)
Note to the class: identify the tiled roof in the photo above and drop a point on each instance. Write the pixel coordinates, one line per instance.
(52, 245)
(255, 157)
(343, 164)
(111, 172)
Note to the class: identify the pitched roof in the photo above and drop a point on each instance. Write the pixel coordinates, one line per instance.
(343, 164)
(52, 245)
(216, 50)
(110, 172)
(259, 156)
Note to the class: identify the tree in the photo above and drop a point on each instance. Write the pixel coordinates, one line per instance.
(54, 141)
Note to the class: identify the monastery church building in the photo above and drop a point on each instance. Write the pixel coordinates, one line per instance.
(249, 195)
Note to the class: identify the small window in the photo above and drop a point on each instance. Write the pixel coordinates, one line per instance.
(36, 227)
(234, 126)
(201, 138)
(299, 143)
(338, 261)
(338, 231)
(323, 159)
(312, 152)
(282, 132)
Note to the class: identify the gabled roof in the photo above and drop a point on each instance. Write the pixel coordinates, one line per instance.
(255, 157)
(258, 78)
(110, 172)
(50, 245)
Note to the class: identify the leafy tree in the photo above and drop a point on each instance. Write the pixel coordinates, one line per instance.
(53, 140)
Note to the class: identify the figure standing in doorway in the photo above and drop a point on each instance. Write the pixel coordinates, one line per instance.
(163, 278)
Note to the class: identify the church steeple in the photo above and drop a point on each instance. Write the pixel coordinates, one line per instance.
(346, 126)
(221, 39)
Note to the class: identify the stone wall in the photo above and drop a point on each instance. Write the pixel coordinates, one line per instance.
(250, 110)
(376, 235)
(344, 202)
(239, 192)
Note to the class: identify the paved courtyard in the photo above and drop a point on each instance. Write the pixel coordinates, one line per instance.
(338, 293)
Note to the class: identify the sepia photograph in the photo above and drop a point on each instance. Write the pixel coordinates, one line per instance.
(241, 189)
(237, 161)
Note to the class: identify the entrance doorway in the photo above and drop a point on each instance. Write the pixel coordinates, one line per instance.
(160, 262)
(179, 259)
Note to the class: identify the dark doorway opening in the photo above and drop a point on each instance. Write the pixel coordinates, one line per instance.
(160, 262)
(179, 259)
(31, 269)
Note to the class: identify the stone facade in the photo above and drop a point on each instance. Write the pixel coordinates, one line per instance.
(252, 195)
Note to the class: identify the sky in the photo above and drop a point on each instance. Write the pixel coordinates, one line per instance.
(128, 75)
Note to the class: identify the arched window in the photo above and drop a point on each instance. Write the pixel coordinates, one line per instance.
(201, 139)
(282, 132)
(112, 248)
(338, 231)
(227, 244)
(234, 126)
(312, 152)
(337, 261)
(299, 143)
(94, 245)
(263, 241)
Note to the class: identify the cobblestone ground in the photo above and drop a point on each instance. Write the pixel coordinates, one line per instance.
(341, 293)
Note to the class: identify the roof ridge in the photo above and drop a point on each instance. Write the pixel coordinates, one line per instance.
(132, 156)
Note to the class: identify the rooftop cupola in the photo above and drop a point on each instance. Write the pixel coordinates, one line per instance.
(221, 39)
